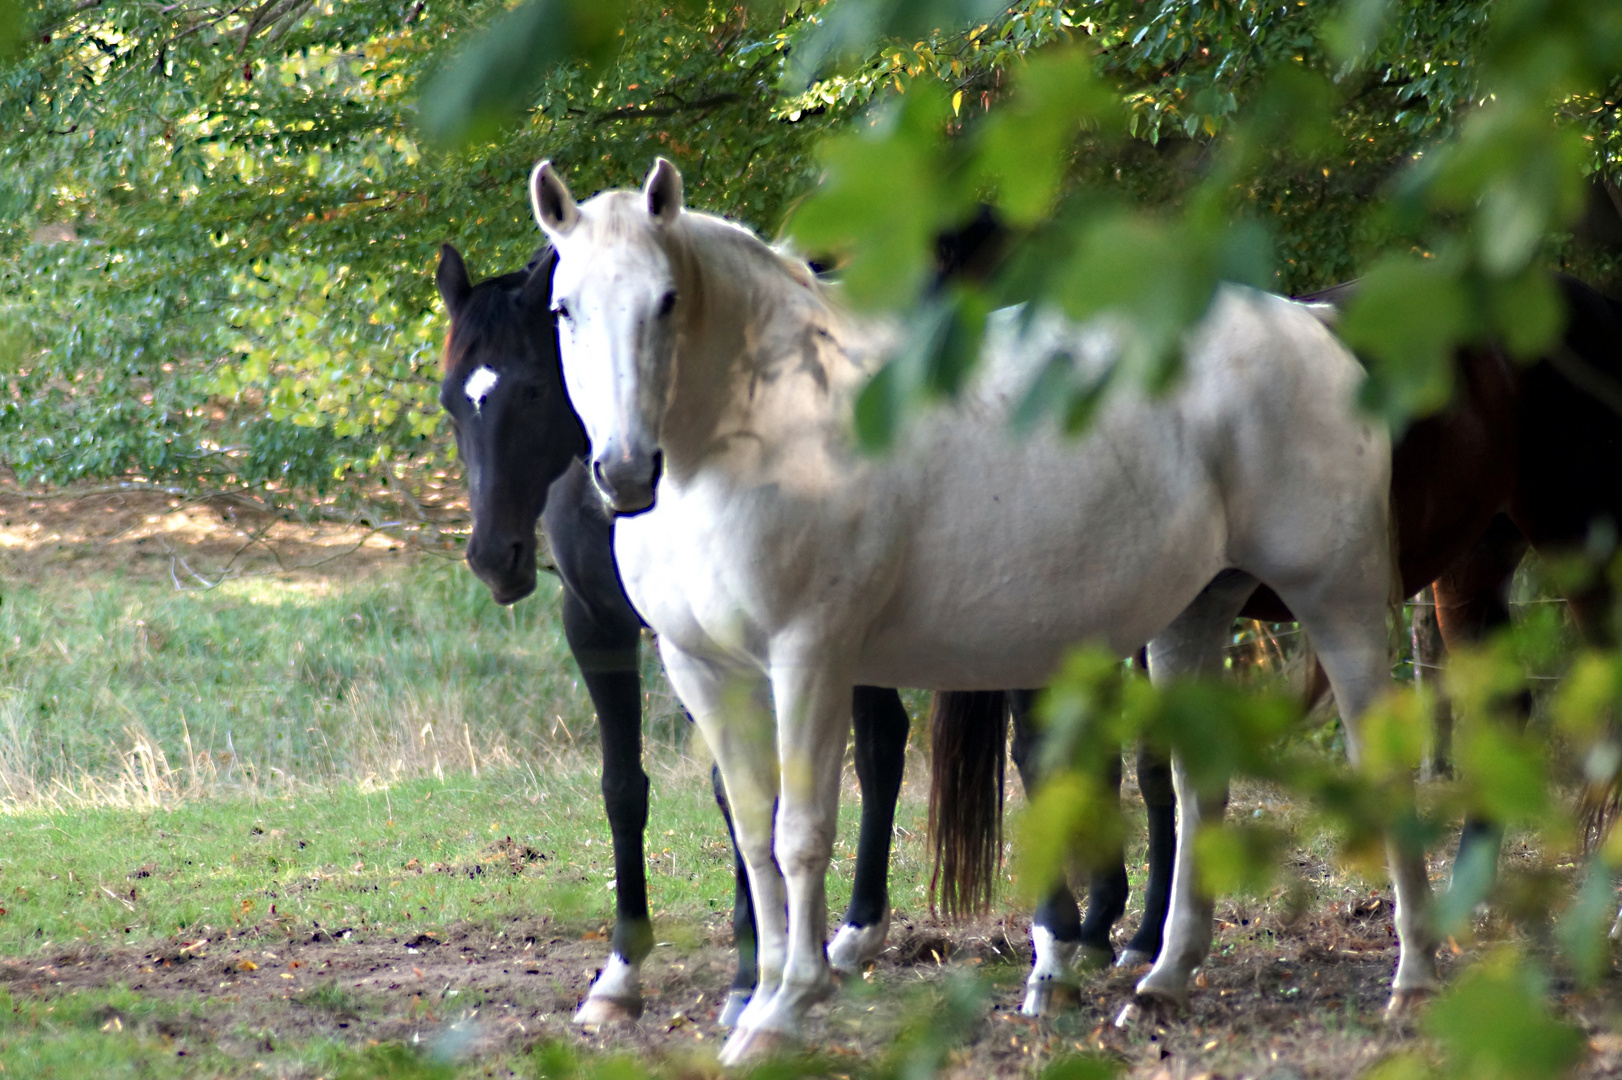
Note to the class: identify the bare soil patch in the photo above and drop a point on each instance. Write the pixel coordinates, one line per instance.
(1275, 1001)
(197, 542)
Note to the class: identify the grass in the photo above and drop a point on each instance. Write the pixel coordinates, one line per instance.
(419, 855)
(311, 750)
(116, 688)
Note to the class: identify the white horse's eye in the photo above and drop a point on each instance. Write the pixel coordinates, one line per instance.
(667, 303)
(561, 310)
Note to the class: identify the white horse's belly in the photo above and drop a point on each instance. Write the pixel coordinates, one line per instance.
(1002, 577)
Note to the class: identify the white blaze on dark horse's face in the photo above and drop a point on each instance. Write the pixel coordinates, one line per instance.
(615, 297)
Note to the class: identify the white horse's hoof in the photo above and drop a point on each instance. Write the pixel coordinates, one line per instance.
(746, 1046)
(599, 1011)
(1132, 959)
(732, 1008)
(1405, 1003)
(854, 947)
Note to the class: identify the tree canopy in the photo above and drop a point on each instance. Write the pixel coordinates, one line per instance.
(220, 218)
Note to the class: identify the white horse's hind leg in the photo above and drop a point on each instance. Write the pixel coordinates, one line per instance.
(1353, 653)
(813, 726)
(732, 710)
(1191, 646)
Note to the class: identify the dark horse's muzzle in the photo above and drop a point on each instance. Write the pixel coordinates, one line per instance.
(504, 559)
(627, 478)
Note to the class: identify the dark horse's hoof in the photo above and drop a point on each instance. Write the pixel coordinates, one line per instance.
(599, 1011)
(1094, 958)
(732, 1008)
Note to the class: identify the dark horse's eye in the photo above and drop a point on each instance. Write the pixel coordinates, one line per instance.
(667, 303)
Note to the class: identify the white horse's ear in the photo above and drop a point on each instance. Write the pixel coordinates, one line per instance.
(556, 212)
(663, 192)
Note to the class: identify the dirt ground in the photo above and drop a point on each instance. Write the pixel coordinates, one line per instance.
(156, 534)
(1299, 1001)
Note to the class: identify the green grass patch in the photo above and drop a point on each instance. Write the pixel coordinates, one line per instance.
(413, 857)
(126, 689)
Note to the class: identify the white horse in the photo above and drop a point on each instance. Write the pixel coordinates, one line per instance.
(780, 566)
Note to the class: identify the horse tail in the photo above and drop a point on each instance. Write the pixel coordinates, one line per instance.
(969, 739)
(1597, 812)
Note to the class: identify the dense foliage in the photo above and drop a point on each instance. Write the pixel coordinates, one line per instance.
(217, 221)
(219, 229)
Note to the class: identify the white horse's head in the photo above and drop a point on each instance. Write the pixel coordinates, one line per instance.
(615, 296)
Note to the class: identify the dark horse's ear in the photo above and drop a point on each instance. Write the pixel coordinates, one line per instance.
(451, 278)
(538, 288)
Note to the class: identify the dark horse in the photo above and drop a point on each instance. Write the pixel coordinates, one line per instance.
(1525, 455)
(522, 448)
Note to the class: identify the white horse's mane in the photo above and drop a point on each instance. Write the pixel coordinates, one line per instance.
(700, 231)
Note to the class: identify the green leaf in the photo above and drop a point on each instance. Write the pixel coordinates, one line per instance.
(886, 195)
(1073, 815)
(1494, 1024)
(1024, 147)
(1238, 859)
(497, 73)
(1584, 928)
(1352, 34)
(878, 411)
(1084, 1067)
(1404, 321)
(1528, 313)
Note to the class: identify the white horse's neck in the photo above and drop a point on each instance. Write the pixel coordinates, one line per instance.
(763, 358)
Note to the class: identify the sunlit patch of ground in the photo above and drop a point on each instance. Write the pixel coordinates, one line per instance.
(196, 544)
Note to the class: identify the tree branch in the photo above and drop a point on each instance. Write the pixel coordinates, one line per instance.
(634, 112)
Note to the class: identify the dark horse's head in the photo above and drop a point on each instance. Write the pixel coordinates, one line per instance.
(515, 429)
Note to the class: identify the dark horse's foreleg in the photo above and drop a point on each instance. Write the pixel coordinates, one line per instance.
(881, 724)
(743, 918)
(1058, 933)
(1472, 599)
(1154, 781)
(606, 650)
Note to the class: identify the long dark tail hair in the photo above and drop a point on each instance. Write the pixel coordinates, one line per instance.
(968, 746)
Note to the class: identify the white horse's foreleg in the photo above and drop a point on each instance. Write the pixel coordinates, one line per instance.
(1354, 658)
(1190, 915)
(813, 725)
(1191, 646)
(733, 712)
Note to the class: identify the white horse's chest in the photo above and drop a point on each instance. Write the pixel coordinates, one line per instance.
(722, 572)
